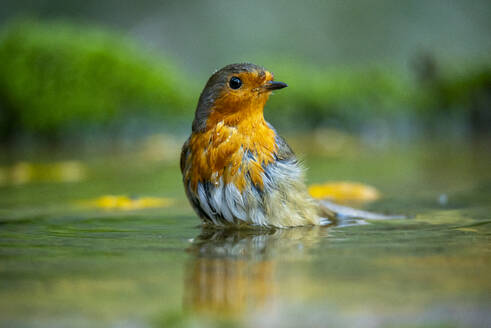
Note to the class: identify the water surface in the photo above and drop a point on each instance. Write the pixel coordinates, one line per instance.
(66, 263)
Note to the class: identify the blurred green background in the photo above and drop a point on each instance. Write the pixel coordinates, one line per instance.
(389, 69)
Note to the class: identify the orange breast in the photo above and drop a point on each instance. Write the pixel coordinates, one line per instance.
(219, 151)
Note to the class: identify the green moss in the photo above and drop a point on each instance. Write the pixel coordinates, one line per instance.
(346, 95)
(455, 91)
(54, 74)
(351, 96)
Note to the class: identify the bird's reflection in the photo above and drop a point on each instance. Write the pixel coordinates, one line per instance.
(234, 270)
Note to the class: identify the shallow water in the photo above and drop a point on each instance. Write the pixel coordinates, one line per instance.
(66, 263)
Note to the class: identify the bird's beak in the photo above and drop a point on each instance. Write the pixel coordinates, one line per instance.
(274, 85)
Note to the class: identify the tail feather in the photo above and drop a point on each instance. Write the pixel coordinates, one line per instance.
(345, 216)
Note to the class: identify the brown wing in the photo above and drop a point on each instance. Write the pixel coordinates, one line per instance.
(184, 155)
(284, 152)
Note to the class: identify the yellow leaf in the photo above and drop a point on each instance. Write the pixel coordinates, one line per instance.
(344, 191)
(125, 203)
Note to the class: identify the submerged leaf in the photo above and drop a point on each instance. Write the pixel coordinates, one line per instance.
(466, 229)
(26, 172)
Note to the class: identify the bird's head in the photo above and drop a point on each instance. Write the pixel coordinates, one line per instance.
(235, 92)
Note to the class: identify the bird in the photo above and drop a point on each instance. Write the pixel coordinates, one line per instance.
(237, 170)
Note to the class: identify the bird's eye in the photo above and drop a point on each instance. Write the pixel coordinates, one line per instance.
(235, 82)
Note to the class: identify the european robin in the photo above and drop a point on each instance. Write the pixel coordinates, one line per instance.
(236, 169)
